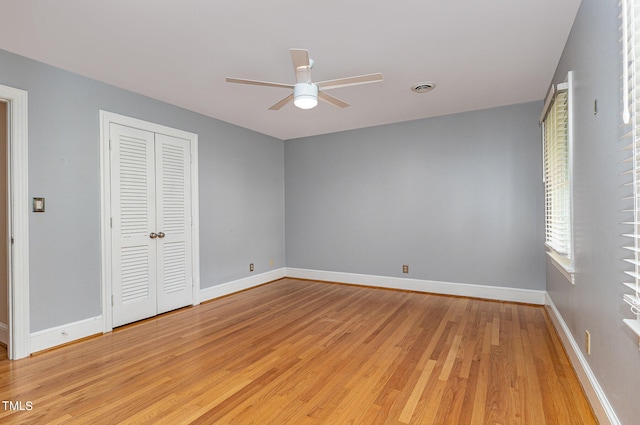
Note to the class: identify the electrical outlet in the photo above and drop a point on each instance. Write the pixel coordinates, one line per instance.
(587, 342)
(271, 262)
(405, 268)
(251, 267)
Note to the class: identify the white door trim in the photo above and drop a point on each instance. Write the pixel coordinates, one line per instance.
(107, 118)
(18, 216)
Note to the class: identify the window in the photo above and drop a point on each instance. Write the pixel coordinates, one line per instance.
(556, 137)
(631, 118)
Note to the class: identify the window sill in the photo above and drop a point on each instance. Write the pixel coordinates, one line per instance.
(563, 265)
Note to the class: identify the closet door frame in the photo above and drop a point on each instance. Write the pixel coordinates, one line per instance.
(107, 118)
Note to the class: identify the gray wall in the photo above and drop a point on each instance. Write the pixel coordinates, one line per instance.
(241, 189)
(459, 198)
(595, 302)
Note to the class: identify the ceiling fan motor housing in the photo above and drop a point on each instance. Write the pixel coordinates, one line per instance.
(305, 95)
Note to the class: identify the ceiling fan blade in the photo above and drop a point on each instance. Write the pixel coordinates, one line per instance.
(350, 81)
(301, 65)
(332, 100)
(259, 83)
(283, 102)
(300, 58)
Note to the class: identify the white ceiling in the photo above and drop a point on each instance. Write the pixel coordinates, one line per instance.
(480, 53)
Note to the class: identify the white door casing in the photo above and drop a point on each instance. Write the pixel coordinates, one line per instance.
(171, 165)
(18, 215)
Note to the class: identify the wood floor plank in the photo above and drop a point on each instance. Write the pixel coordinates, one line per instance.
(304, 352)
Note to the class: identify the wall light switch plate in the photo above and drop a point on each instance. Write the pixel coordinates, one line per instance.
(38, 204)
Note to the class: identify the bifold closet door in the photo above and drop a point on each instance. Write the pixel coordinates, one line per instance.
(151, 224)
(173, 221)
(133, 209)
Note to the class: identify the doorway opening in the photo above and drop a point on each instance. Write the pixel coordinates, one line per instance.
(4, 225)
(15, 223)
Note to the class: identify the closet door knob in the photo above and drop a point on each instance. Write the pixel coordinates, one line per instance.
(160, 235)
(153, 235)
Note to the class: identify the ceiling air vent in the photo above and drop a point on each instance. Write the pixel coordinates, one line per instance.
(423, 87)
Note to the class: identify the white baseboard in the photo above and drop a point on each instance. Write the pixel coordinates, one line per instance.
(52, 337)
(70, 332)
(4, 334)
(529, 296)
(599, 402)
(49, 338)
(227, 288)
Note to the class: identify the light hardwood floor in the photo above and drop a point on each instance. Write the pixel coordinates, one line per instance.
(299, 352)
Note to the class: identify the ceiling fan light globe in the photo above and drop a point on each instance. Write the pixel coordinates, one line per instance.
(305, 96)
(305, 102)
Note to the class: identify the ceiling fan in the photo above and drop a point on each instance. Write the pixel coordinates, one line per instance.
(305, 92)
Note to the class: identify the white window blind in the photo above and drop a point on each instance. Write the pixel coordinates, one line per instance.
(556, 176)
(556, 137)
(631, 94)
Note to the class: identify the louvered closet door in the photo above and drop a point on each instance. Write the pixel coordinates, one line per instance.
(173, 191)
(151, 230)
(134, 218)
